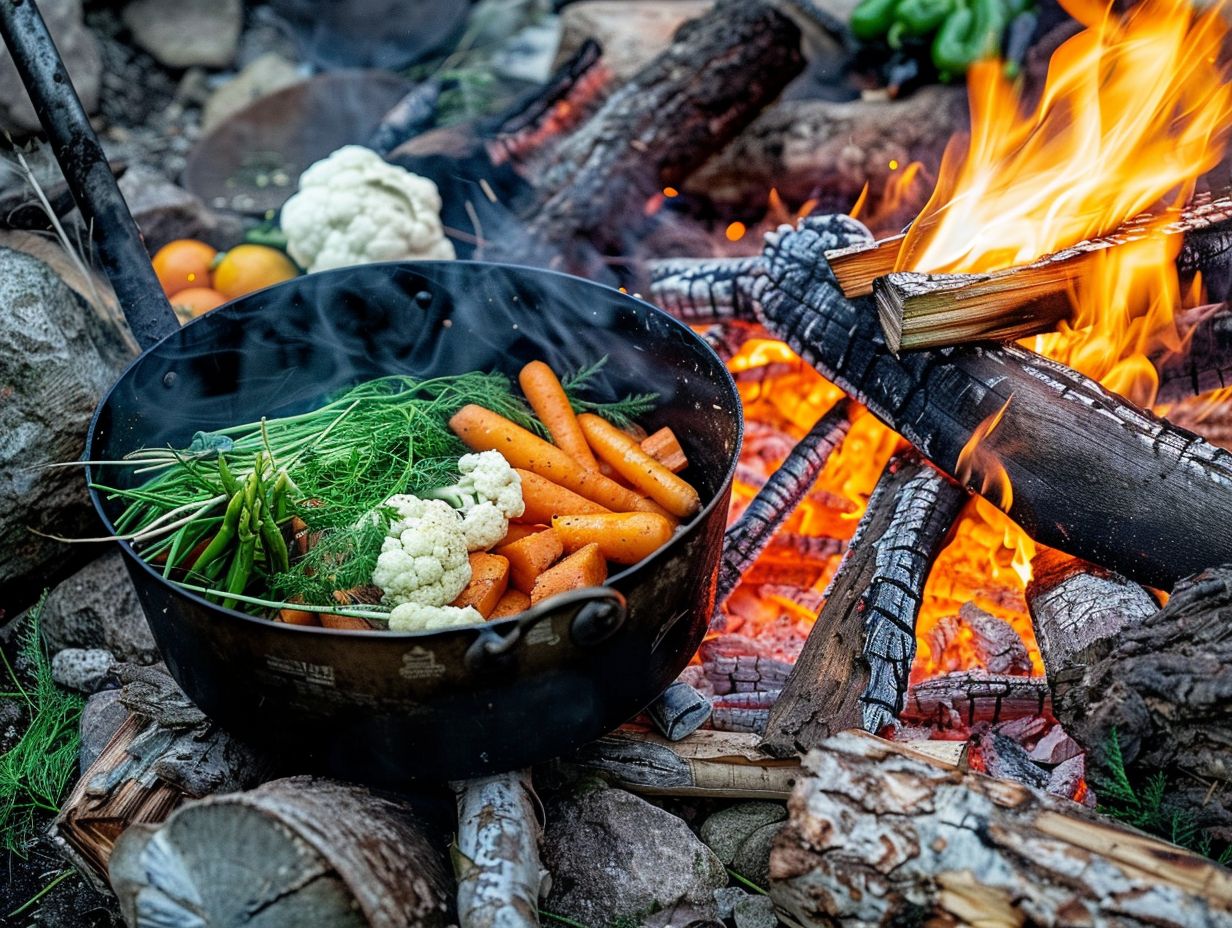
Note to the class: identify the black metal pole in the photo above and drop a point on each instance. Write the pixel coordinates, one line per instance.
(85, 168)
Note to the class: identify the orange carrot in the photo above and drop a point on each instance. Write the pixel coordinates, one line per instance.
(665, 448)
(489, 579)
(513, 602)
(530, 557)
(518, 531)
(483, 430)
(544, 499)
(297, 616)
(547, 398)
(640, 469)
(348, 622)
(624, 537)
(584, 567)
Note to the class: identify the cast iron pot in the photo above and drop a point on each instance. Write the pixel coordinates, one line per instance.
(384, 707)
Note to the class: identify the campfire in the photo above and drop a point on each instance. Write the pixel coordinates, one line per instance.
(969, 619)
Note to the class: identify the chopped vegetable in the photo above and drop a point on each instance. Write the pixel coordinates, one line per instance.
(584, 567)
(624, 537)
(628, 459)
(547, 398)
(530, 556)
(488, 494)
(423, 558)
(544, 499)
(519, 531)
(489, 580)
(665, 448)
(513, 602)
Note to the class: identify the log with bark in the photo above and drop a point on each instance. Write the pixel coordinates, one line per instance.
(1163, 693)
(854, 668)
(1204, 363)
(299, 852)
(968, 697)
(876, 837)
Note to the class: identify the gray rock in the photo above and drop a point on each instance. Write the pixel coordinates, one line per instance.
(727, 830)
(613, 856)
(260, 77)
(81, 669)
(57, 356)
(755, 912)
(82, 59)
(100, 720)
(97, 608)
(753, 857)
(164, 212)
(184, 33)
(632, 32)
(726, 899)
(11, 715)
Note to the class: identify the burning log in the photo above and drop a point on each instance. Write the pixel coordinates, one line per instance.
(876, 836)
(728, 339)
(748, 536)
(1205, 363)
(744, 673)
(964, 698)
(1163, 694)
(302, 852)
(855, 267)
(1000, 756)
(933, 311)
(997, 646)
(707, 291)
(744, 712)
(496, 862)
(854, 667)
(1080, 459)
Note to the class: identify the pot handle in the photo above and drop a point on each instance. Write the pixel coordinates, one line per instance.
(598, 613)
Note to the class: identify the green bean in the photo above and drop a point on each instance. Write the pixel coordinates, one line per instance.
(274, 544)
(230, 485)
(241, 564)
(226, 534)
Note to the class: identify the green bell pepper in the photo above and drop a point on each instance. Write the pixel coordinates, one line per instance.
(920, 17)
(872, 19)
(968, 35)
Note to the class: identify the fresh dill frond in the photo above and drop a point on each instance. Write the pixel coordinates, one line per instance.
(621, 412)
(342, 559)
(35, 772)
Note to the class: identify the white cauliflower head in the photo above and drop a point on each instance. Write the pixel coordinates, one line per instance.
(353, 207)
(416, 617)
(488, 494)
(423, 558)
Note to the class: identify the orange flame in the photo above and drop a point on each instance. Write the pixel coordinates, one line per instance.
(975, 455)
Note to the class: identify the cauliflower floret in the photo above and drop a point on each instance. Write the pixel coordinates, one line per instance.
(488, 494)
(355, 208)
(416, 617)
(423, 558)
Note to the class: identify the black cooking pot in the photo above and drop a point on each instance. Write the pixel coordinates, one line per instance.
(386, 706)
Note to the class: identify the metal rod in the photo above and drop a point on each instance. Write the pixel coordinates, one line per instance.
(77, 149)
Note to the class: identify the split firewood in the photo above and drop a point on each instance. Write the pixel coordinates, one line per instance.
(967, 697)
(1161, 695)
(301, 852)
(855, 664)
(1080, 612)
(1080, 459)
(936, 310)
(163, 755)
(775, 502)
(1204, 363)
(879, 838)
(496, 861)
(855, 267)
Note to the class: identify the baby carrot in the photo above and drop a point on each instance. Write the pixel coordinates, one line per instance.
(624, 537)
(513, 602)
(530, 557)
(547, 398)
(489, 579)
(544, 499)
(483, 430)
(584, 567)
(665, 448)
(640, 469)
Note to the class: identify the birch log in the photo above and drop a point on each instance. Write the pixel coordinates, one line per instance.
(879, 838)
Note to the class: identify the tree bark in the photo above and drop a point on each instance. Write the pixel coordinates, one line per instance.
(1205, 362)
(299, 852)
(876, 837)
(854, 667)
(967, 697)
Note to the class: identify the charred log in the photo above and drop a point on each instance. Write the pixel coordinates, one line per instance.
(679, 711)
(743, 712)
(706, 291)
(1059, 441)
(876, 837)
(774, 503)
(1000, 756)
(967, 697)
(1205, 363)
(296, 853)
(854, 667)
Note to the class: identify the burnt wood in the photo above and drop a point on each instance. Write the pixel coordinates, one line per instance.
(778, 498)
(1092, 474)
(877, 836)
(707, 291)
(854, 667)
(1205, 361)
(967, 697)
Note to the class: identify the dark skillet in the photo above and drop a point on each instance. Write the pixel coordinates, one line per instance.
(379, 706)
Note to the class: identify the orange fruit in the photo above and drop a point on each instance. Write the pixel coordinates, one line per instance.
(246, 268)
(182, 264)
(190, 303)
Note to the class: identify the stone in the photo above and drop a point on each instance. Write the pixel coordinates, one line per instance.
(81, 669)
(262, 76)
(101, 718)
(164, 211)
(57, 357)
(755, 912)
(726, 899)
(97, 608)
(632, 32)
(753, 857)
(82, 59)
(11, 716)
(187, 33)
(726, 831)
(615, 857)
